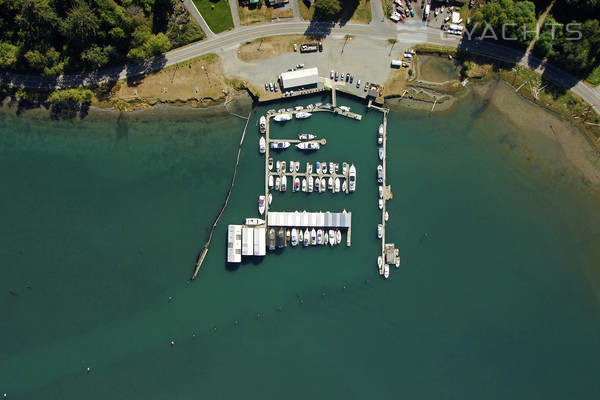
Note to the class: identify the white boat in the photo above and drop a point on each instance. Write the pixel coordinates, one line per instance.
(318, 104)
(270, 181)
(279, 145)
(352, 178)
(323, 184)
(309, 168)
(310, 184)
(270, 163)
(330, 184)
(386, 271)
(379, 174)
(338, 236)
(261, 204)
(298, 108)
(325, 237)
(317, 184)
(292, 164)
(300, 236)
(297, 166)
(303, 115)
(318, 167)
(283, 166)
(381, 153)
(308, 146)
(277, 183)
(331, 237)
(304, 184)
(294, 238)
(296, 184)
(324, 167)
(306, 136)
(306, 237)
(278, 166)
(331, 167)
(262, 124)
(337, 167)
(379, 261)
(380, 189)
(313, 237)
(387, 216)
(283, 117)
(345, 108)
(336, 185)
(380, 204)
(262, 143)
(319, 237)
(380, 131)
(344, 186)
(270, 198)
(254, 221)
(284, 183)
(398, 262)
(379, 139)
(344, 168)
(379, 231)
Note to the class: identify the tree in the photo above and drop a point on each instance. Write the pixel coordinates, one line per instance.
(36, 21)
(81, 25)
(327, 10)
(515, 17)
(580, 56)
(8, 55)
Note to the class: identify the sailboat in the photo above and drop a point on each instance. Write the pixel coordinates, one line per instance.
(262, 143)
(278, 166)
(284, 183)
(336, 185)
(306, 237)
(330, 184)
(292, 164)
(296, 184)
(331, 237)
(270, 198)
(338, 236)
(294, 238)
(300, 236)
(270, 181)
(344, 186)
(262, 125)
(313, 237)
(278, 183)
(310, 184)
(304, 184)
(317, 184)
(325, 238)
(270, 163)
(261, 204)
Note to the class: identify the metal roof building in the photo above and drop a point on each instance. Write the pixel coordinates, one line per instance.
(260, 241)
(301, 77)
(310, 219)
(234, 243)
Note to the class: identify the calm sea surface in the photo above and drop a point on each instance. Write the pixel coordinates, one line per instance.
(100, 222)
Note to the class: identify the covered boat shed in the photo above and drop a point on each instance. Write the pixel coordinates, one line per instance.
(310, 219)
(305, 78)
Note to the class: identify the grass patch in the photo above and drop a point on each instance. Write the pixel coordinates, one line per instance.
(439, 50)
(306, 12)
(388, 7)
(262, 14)
(361, 14)
(594, 77)
(216, 13)
(268, 47)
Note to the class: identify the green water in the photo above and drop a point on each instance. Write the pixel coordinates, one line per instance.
(497, 295)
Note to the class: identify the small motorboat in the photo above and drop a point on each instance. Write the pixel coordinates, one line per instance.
(386, 271)
(279, 145)
(345, 108)
(337, 167)
(254, 221)
(338, 236)
(323, 184)
(332, 237)
(283, 117)
(306, 238)
(324, 167)
(270, 198)
(292, 164)
(262, 124)
(379, 173)
(297, 166)
(310, 184)
(262, 143)
(325, 238)
(319, 237)
(381, 153)
(379, 262)
(380, 189)
(270, 181)
(317, 184)
(380, 131)
(277, 183)
(306, 136)
(313, 237)
(387, 216)
(300, 236)
(270, 163)
(284, 183)
(336, 185)
(283, 166)
(331, 167)
(379, 231)
(308, 146)
(304, 184)
(398, 262)
(288, 235)
(318, 167)
(303, 115)
(309, 168)
(294, 237)
(278, 166)
(344, 186)
(330, 184)
(344, 168)
(380, 203)
(296, 184)
(298, 108)
(261, 204)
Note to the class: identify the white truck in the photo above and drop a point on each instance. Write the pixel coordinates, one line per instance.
(426, 13)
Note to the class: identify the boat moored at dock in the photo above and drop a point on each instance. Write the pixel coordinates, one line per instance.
(352, 178)
(262, 124)
(303, 115)
(279, 145)
(308, 146)
(261, 204)
(306, 136)
(254, 221)
(283, 117)
(262, 144)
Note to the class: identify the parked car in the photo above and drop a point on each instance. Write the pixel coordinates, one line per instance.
(347, 77)
(342, 76)
(267, 86)
(358, 83)
(271, 86)
(336, 76)
(351, 78)
(275, 87)
(320, 46)
(366, 86)
(331, 74)
(295, 47)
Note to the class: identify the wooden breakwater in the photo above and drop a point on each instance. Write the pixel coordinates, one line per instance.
(204, 251)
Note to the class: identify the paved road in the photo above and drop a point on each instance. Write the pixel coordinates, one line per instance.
(191, 7)
(374, 31)
(233, 5)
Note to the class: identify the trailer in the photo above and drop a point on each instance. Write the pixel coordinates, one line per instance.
(309, 48)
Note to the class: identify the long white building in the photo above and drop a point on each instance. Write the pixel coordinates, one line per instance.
(310, 219)
(300, 78)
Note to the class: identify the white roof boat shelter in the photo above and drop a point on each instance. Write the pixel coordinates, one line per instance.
(234, 243)
(300, 78)
(310, 219)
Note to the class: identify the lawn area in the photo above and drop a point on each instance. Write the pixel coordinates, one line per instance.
(361, 14)
(216, 13)
(271, 46)
(264, 14)
(594, 77)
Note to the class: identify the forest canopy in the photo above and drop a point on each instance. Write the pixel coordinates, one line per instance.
(51, 37)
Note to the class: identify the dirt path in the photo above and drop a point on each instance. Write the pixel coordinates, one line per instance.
(540, 23)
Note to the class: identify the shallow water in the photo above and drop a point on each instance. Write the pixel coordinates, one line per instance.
(437, 69)
(495, 297)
